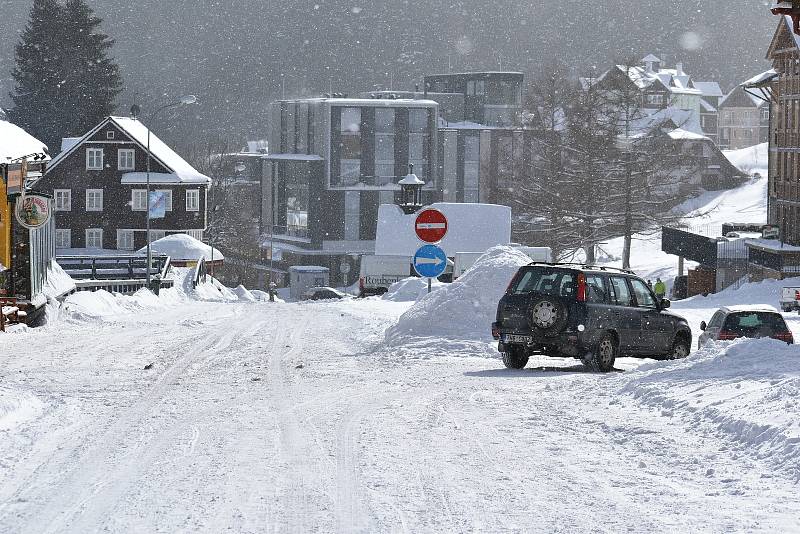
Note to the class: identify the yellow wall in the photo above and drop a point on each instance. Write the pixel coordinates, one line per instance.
(5, 226)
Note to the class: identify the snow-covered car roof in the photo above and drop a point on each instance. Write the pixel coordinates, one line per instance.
(744, 308)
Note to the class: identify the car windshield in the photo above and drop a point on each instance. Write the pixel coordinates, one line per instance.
(545, 280)
(755, 324)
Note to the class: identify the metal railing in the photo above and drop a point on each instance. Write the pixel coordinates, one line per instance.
(113, 267)
(200, 272)
(125, 287)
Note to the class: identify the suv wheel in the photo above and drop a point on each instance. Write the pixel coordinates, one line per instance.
(548, 316)
(680, 349)
(515, 358)
(603, 356)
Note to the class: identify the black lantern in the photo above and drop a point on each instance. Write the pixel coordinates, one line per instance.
(411, 192)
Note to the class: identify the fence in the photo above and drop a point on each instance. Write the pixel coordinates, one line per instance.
(113, 267)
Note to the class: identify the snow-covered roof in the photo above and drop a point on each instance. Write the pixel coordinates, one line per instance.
(650, 58)
(411, 179)
(137, 131)
(681, 134)
(669, 79)
(758, 79)
(68, 142)
(744, 308)
(757, 102)
(294, 157)
(160, 178)
(16, 143)
(707, 107)
(772, 244)
(370, 102)
(708, 88)
(184, 247)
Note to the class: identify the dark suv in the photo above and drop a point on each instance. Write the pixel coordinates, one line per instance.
(592, 313)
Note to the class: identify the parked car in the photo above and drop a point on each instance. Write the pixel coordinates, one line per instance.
(324, 293)
(733, 322)
(592, 313)
(790, 299)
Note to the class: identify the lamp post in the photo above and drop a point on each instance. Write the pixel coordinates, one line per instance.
(183, 101)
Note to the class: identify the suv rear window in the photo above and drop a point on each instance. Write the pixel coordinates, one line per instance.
(547, 281)
(748, 323)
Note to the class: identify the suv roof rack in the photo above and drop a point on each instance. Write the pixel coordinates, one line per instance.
(584, 266)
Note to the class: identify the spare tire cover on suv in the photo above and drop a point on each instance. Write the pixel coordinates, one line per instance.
(547, 316)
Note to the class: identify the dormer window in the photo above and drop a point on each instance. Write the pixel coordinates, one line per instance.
(110, 134)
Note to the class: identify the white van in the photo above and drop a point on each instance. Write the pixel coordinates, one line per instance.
(380, 272)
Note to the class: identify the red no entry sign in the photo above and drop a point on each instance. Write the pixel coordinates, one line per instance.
(431, 226)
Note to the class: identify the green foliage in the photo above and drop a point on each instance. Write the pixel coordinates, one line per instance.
(65, 80)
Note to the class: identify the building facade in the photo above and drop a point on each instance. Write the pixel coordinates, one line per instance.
(490, 98)
(99, 185)
(743, 120)
(334, 161)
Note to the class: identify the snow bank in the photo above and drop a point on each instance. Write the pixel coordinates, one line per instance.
(465, 309)
(746, 390)
(766, 292)
(244, 294)
(16, 407)
(183, 247)
(751, 159)
(58, 282)
(410, 290)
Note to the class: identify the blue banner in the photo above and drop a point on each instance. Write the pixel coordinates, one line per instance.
(157, 205)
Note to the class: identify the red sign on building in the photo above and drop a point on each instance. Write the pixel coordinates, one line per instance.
(431, 226)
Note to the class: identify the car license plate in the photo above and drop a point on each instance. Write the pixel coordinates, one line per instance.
(512, 338)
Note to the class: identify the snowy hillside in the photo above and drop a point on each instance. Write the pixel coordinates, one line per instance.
(705, 215)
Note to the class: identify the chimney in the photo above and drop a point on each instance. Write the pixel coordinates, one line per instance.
(679, 69)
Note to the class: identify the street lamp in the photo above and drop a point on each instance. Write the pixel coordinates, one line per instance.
(183, 101)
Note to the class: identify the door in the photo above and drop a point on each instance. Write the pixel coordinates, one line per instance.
(655, 336)
(626, 316)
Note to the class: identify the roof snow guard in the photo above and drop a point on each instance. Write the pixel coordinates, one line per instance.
(790, 9)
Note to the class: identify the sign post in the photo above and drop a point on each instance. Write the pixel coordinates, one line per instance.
(430, 261)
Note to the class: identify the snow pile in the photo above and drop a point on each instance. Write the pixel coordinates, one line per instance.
(16, 407)
(746, 390)
(58, 282)
(766, 292)
(100, 304)
(465, 309)
(183, 247)
(244, 294)
(754, 159)
(410, 290)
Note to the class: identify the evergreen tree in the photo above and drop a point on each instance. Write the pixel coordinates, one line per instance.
(65, 81)
(38, 74)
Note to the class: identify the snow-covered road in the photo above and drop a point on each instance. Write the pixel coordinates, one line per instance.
(259, 417)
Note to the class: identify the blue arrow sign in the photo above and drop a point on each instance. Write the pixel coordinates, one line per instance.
(430, 261)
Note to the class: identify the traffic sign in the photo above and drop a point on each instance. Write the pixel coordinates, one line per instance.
(430, 261)
(431, 225)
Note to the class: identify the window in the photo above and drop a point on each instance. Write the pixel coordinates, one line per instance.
(167, 198)
(94, 159)
(352, 207)
(644, 298)
(192, 200)
(110, 134)
(622, 294)
(544, 280)
(94, 200)
(384, 146)
(418, 141)
(126, 159)
(64, 238)
(472, 168)
(94, 238)
(125, 240)
(350, 145)
(139, 199)
(63, 199)
(595, 289)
